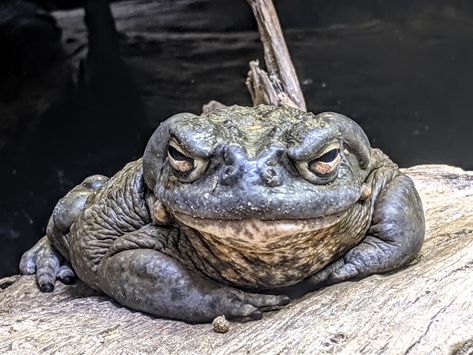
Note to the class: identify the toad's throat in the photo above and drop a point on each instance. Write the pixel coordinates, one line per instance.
(257, 234)
(255, 253)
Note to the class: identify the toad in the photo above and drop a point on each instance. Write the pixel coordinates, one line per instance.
(228, 207)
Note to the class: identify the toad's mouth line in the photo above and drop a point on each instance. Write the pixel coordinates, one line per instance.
(241, 228)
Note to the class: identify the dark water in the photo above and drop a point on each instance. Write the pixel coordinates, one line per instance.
(403, 71)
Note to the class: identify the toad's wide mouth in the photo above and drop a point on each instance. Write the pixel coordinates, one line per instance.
(257, 230)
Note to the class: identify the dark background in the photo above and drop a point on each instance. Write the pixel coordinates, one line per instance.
(402, 69)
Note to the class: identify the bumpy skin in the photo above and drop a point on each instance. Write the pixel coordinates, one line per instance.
(246, 218)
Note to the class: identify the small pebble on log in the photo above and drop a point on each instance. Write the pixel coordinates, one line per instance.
(221, 325)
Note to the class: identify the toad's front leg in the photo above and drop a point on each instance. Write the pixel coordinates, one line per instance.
(394, 238)
(147, 280)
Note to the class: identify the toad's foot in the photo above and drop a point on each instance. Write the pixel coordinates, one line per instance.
(150, 281)
(48, 265)
(394, 238)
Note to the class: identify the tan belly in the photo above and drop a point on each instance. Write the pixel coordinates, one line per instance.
(269, 254)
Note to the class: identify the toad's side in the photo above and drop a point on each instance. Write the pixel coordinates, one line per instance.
(237, 199)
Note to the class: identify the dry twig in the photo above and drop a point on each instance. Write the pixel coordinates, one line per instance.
(278, 86)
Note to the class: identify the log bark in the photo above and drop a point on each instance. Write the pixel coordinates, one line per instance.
(427, 307)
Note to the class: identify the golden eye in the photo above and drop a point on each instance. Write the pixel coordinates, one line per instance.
(179, 160)
(321, 169)
(326, 163)
(187, 168)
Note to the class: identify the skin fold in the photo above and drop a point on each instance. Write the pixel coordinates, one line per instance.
(227, 209)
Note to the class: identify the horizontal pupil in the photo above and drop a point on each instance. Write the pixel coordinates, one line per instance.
(177, 155)
(329, 156)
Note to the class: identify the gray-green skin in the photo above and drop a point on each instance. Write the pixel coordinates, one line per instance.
(249, 219)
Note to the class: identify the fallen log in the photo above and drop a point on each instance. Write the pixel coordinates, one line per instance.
(424, 308)
(427, 307)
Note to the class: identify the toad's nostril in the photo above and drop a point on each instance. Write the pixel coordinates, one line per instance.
(230, 175)
(230, 170)
(270, 177)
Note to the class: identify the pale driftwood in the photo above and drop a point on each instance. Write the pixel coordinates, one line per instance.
(425, 308)
(280, 85)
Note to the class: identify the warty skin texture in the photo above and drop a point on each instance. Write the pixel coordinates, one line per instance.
(236, 210)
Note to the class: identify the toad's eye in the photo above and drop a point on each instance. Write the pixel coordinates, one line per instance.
(326, 163)
(323, 168)
(186, 167)
(179, 161)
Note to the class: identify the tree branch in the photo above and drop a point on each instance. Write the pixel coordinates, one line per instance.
(280, 85)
